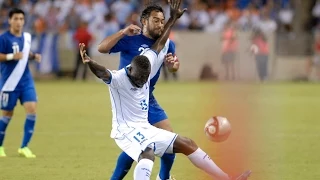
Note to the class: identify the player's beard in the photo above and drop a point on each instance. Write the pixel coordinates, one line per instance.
(154, 34)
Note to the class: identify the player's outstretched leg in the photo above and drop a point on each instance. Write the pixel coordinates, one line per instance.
(30, 108)
(201, 159)
(4, 121)
(123, 166)
(167, 161)
(143, 169)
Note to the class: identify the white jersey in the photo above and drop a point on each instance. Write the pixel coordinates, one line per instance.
(129, 103)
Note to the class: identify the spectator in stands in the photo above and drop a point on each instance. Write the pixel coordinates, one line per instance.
(314, 60)
(84, 36)
(122, 10)
(286, 18)
(260, 49)
(266, 24)
(229, 50)
(111, 25)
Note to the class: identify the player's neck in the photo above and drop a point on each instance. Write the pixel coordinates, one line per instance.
(146, 34)
(16, 33)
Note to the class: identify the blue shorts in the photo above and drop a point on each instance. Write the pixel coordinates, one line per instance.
(155, 113)
(8, 100)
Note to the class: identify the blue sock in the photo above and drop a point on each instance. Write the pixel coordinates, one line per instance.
(124, 164)
(28, 129)
(4, 121)
(166, 165)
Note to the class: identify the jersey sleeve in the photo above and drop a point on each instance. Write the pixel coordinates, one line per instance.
(154, 61)
(2, 45)
(122, 45)
(172, 47)
(116, 80)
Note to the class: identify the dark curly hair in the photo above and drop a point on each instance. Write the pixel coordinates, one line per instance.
(150, 8)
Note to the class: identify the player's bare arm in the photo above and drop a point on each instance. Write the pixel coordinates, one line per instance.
(97, 69)
(110, 41)
(175, 14)
(172, 62)
(11, 56)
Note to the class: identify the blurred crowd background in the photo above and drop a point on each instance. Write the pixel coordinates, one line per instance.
(235, 39)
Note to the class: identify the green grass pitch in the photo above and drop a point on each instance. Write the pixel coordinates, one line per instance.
(72, 140)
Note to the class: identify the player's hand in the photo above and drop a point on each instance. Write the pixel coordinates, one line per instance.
(175, 11)
(132, 30)
(18, 55)
(83, 53)
(172, 62)
(37, 57)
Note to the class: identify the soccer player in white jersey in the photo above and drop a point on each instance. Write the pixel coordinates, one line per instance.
(130, 42)
(129, 91)
(16, 80)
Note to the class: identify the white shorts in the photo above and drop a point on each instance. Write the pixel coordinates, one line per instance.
(136, 140)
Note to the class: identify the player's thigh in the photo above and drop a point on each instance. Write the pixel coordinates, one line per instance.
(164, 124)
(130, 147)
(157, 116)
(28, 99)
(163, 140)
(134, 142)
(8, 101)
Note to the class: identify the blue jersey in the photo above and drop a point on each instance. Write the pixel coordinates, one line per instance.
(131, 46)
(15, 74)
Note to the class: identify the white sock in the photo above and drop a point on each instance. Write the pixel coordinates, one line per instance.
(143, 170)
(201, 160)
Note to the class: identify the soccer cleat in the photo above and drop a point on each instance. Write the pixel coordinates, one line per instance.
(171, 178)
(243, 176)
(26, 152)
(2, 153)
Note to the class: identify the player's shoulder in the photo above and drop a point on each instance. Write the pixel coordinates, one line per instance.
(131, 38)
(120, 72)
(4, 35)
(150, 52)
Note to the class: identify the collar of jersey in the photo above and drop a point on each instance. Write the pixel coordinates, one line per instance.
(126, 69)
(149, 39)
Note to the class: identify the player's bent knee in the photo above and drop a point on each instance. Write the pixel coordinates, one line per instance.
(30, 107)
(7, 113)
(147, 154)
(184, 145)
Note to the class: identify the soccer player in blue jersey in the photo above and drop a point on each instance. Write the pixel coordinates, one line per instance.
(16, 80)
(130, 42)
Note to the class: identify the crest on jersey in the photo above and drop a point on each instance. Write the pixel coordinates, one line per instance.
(144, 105)
(144, 45)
